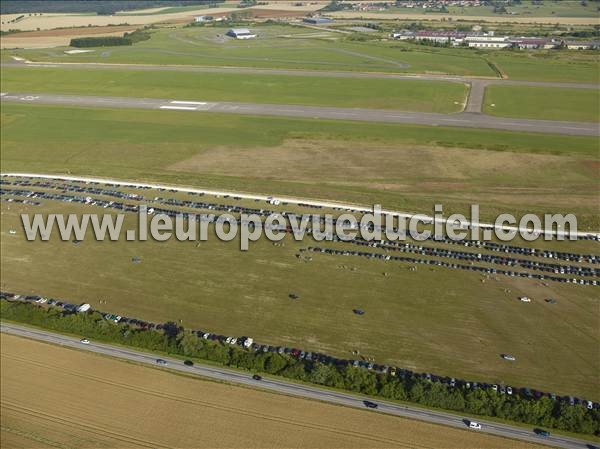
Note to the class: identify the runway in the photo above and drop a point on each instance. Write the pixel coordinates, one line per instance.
(476, 85)
(296, 389)
(461, 120)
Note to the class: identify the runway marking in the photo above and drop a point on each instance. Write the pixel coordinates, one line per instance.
(179, 108)
(199, 103)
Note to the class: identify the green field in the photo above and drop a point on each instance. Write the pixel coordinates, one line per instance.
(548, 8)
(293, 47)
(433, 319)
(549, 65)
(577, 105)
(423, 96)
(404, 167)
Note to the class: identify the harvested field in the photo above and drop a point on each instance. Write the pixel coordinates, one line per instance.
(51, 21)
(112, 403)
(59, 37)
(451, 17)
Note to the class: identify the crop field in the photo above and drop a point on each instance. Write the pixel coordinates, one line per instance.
(455, 17)
(457, 326)
(424, 96)
(112, 404)
(59, 38)
(402, 167)
(543, 103)
(554, 9)
(51, 21)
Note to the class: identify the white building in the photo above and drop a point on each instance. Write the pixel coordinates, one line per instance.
(488, 42)
(241, 33)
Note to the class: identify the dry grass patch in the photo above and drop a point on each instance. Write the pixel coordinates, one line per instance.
(53, 396)
(506, 177)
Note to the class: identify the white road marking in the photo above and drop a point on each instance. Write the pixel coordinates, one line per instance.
(199, 103)
(179, 108)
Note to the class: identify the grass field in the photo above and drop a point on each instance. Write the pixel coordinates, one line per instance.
(552, 66)
(293, 47)
(404, 167)
(436, 320)
(423, 96)
(114, 404)
(277, 46)
(543, 103)
(525, 9)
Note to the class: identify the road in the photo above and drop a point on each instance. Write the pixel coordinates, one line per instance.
(289, 388)
(461, 120)
(290, 200)
(474, 103)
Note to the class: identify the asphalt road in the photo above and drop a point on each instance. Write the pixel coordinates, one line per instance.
(291, 200)
(309, 392)
(461, 120)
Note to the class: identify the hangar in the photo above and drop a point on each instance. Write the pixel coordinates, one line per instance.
(241, 33)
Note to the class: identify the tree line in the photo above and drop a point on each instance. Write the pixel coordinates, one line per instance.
(174, 339)
(110, 41)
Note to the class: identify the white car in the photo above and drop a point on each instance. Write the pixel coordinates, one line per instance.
(84, 341)
(525, 299)
(510, 358)
(474, 425)
(509, 390)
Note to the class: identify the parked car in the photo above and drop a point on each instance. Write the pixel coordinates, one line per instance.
(510, 358)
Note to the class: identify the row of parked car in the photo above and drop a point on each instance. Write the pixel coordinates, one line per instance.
(416, 249)
(479, 257)
(439, 263)
(84, 187)
(249, 344)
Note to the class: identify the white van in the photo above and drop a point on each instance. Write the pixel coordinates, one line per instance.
(474, 425)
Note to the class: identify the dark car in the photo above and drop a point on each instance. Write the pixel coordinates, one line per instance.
(256, 377)
(370, 404)
(541, 433)
(161, 361)
(188, 363)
